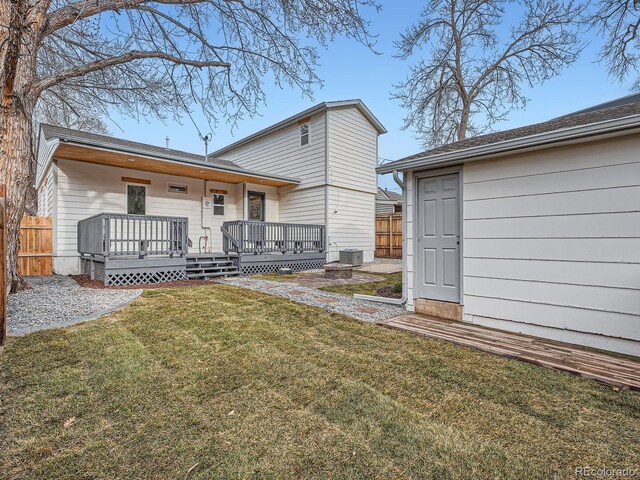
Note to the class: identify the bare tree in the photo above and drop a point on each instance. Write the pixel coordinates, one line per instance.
(618, 21)
(470, 77)
(161, 57)
(70, 111)
(65, 109)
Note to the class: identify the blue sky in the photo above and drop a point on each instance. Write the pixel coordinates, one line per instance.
(349, 70)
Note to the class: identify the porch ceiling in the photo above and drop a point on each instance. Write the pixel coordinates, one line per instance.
(81, 153)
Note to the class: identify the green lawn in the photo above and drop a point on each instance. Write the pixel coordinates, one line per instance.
(239, 384)
(369, 288)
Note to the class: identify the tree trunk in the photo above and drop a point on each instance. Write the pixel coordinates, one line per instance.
(464, 122)
(15, 158)
(20, 33)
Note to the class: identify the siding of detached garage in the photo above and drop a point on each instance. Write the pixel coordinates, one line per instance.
(552, 243)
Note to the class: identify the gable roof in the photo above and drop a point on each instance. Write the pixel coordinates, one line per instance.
(633, 98)
(571, 127)
(321, 107)
(389, 195)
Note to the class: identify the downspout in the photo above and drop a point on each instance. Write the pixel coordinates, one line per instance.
(401, 182)
(394, 301)
(327, 237)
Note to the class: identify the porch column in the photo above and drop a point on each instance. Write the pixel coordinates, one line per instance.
(245, 202)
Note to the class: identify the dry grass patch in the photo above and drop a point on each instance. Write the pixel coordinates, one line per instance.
(244, 384)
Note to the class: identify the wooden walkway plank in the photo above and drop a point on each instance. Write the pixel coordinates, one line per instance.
(601, 367)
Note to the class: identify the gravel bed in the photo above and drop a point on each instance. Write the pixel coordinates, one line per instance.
(57, 300)
(385, 260)
(372, 312)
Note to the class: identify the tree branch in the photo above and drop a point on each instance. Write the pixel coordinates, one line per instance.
(48, 82)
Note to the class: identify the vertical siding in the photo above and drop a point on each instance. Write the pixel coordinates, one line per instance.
(281, 153)
(551, 241)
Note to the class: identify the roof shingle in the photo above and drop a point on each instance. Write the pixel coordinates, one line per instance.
(572, 120)
(51, 131)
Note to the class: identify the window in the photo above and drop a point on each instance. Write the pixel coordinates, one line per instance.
(136, 199)
(304, 134)
(218, 205)
(397, 208)
(256, 206)
(177, 188)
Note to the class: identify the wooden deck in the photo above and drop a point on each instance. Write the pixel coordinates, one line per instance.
(608, 369)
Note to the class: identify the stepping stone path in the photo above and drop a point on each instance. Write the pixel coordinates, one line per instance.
(372, 312)
(327, 299)
(367, 309)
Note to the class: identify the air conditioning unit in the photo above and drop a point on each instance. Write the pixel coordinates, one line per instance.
(352, 256)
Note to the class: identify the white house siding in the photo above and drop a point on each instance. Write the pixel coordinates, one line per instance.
(45, 192)
(86, 189)
(408, 247)
(42, 155)
(351, 222)
(233, 209)
(271, 208)
(342, 175)
(280, 153)
(302, 205)
(352, 157)
(551, 241)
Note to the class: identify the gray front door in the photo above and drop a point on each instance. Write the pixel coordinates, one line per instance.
(438, 237)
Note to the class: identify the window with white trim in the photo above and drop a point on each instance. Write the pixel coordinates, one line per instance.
(218, 204)
(304, 134)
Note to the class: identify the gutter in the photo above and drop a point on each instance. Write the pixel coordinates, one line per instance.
(608, 128)
(171, 158)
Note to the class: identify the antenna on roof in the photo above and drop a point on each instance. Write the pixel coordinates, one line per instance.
(166, 142)
(206, 139)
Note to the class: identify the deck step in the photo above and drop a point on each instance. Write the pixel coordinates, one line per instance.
(234, 273)
(203, 266)
(230, 268)
(210, 264)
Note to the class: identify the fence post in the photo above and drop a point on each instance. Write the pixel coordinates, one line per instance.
(391, 235)
(3, 267)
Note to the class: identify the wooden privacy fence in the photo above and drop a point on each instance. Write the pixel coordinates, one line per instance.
(389, 235)
(36, 246)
